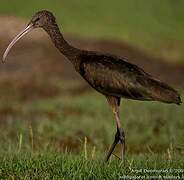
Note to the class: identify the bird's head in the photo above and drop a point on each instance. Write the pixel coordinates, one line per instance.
(40, 20)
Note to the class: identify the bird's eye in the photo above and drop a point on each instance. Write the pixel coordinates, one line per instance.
(37, 19)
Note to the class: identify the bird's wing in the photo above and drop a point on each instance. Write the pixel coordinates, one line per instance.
(114, 76)
(117, 77)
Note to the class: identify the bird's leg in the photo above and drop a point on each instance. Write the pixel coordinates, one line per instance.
(119, 138)
(122, 141)
(116, 140)
(120, 135)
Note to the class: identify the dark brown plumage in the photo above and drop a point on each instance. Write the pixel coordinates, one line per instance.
(112, 76)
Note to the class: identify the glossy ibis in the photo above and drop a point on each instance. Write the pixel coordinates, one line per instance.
(113, 77)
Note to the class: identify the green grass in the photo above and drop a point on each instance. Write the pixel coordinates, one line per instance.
(45, 138)
(58, 166)
(156, 26)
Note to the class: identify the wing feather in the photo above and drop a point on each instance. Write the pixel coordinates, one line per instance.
(115, 77)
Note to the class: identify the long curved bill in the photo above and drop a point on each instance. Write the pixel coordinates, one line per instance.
(29, 28)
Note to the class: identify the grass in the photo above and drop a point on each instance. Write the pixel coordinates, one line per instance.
(66, 136)
(57, 166)
(155, 26)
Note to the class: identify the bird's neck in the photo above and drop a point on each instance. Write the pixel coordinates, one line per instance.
(57, 38)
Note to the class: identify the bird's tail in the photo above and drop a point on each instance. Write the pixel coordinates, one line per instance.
(165, 93)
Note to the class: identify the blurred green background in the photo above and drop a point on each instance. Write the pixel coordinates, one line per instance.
(155, 26)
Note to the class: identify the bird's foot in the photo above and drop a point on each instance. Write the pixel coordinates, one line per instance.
(119, 138)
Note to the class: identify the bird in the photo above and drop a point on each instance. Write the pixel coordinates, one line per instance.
(112, 76)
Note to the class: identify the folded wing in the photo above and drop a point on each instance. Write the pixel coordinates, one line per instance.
(119, 78)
